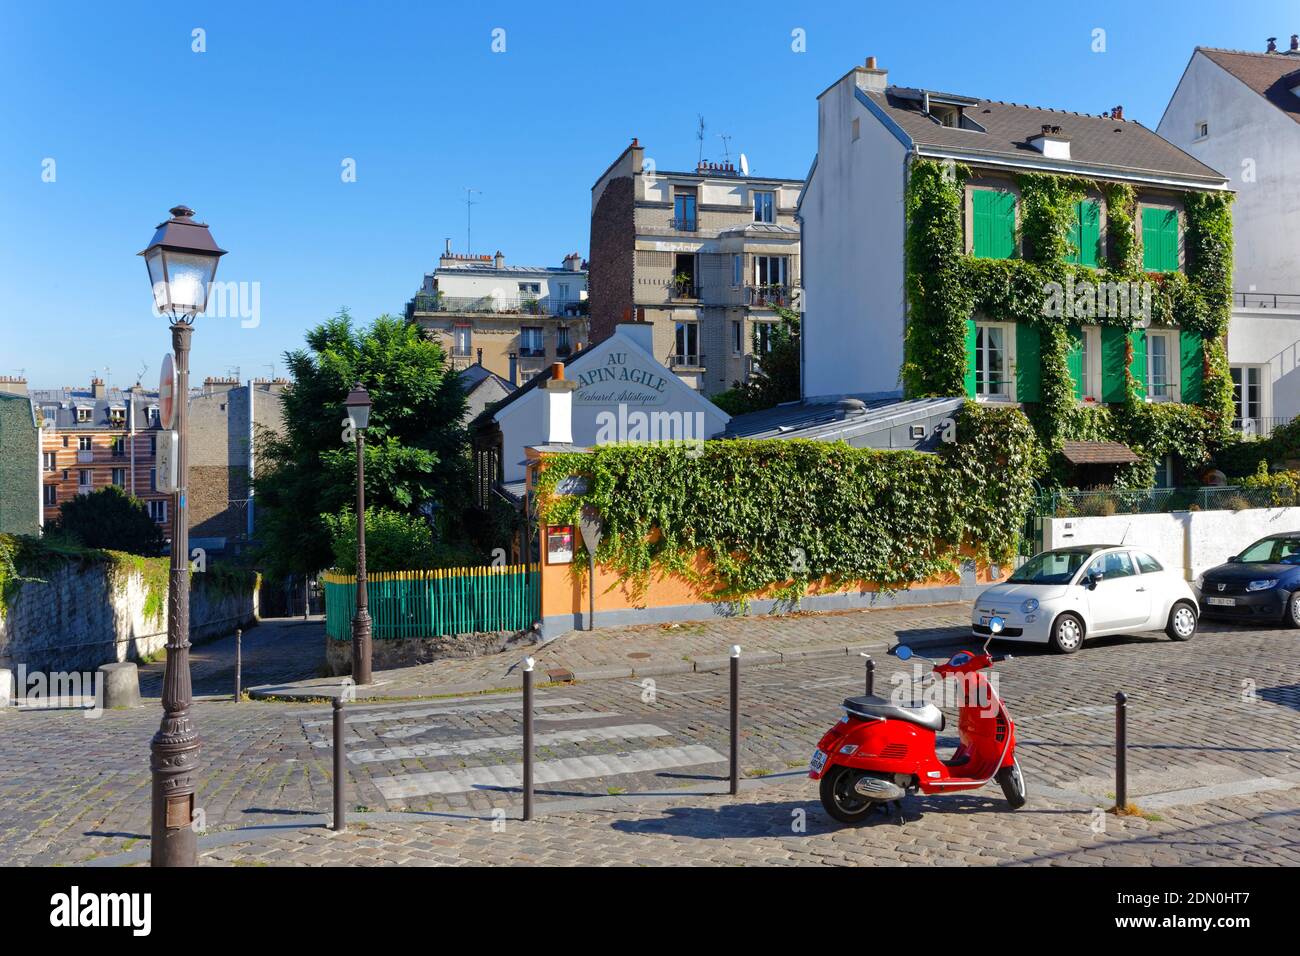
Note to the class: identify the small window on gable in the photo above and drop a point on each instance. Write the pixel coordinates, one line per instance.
(1202, 130)
(857, 128)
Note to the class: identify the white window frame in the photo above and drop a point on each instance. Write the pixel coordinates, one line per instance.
(49, 461)
(765, 204)
(1173, 365)
(158, 510)
(1202, 130)
(1092, 364)
(85, 478)
(1008, 330)
(784, 270)
(526, 333)
(114, 476)
(51, 495)
(737, 336)
(85, 443)
(738, 269)
(1263, 404)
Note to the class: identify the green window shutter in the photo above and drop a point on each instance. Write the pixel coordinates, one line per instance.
(1113, 355)
(1192, 366)
(1160, 240)
(970, 358)
(1029, 364)
(1139, 366)
(1086, 233)
(1074, 360)
(993, 224)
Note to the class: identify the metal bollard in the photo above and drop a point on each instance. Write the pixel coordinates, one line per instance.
(735, 718)
(528, 738)
(871, 675)
(239, 661)
(340, 815)
(1121, 752)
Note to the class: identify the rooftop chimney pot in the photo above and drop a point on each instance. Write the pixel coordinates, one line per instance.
(1272, 45)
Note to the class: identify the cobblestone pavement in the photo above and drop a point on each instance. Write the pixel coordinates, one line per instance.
(655, 649)
(1214, 731)
(785, 826)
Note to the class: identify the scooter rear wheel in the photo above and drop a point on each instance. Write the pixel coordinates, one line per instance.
(839, 798)
(1013, 784)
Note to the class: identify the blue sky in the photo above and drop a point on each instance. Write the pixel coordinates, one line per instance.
(253, 132)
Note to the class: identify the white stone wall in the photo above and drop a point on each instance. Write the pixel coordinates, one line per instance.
(1191, 541)
(78, 617)
(853, 266)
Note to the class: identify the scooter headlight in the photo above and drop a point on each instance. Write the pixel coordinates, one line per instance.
(1030, 606)
(1262, 585)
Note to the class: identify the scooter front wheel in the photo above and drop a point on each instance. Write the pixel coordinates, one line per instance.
(840, 800)
(1013, 784)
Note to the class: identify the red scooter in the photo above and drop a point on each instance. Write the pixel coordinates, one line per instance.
(881, 751)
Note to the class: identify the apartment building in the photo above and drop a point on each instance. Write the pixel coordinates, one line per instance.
(704, 256)
(1239, 111)
(512, 320)
(99, 436)
(20, 459)
(229, 419)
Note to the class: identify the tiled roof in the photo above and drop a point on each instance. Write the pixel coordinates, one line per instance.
(1271, 75)
(475, 375)
(1124, 146)
(1097, 453)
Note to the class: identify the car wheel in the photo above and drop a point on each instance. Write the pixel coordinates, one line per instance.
(1182, 622)
(1067, 634)
(1293, 610)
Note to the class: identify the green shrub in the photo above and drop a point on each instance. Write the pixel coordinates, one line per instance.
(394, 542)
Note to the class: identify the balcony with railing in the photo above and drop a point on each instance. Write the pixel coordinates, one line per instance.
(686, 360)
(683, 287)
(436, 302)
(1258, 427)
(1285, 301)
(768, 296)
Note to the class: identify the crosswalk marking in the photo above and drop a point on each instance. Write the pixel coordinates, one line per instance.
(544, 772)
(513, 742)
(487, 707)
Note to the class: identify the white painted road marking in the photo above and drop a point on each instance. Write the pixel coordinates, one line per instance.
(488, 707)
(546, 771)
(583, 715)
(482, 744)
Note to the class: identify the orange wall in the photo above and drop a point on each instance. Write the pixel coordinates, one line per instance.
(564, 587)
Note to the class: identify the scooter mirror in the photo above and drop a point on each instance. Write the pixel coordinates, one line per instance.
(902, 652)
(996, 624)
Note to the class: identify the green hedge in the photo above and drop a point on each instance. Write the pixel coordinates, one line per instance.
(773, 516)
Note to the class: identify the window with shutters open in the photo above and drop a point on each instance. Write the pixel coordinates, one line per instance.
(993, 360)
(993, 223)
(1159, 239)
(1163, 366)
(1084, 362)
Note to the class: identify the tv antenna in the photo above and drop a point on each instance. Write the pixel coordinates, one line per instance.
(144, 369)
(469, 217)
(726, 146)
(699, 134)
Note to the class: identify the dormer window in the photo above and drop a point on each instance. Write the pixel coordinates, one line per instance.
(84, 413)
(1051, 142)
(946, 115)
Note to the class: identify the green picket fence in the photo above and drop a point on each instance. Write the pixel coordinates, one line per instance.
(435, 603)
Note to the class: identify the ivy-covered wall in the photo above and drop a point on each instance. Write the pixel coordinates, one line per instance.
(774, 516)
(947, 289)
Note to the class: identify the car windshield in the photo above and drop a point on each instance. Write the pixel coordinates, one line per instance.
(1050, 567)
(1273, 551)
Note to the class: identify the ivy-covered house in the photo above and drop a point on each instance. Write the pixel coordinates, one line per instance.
(1075, 265)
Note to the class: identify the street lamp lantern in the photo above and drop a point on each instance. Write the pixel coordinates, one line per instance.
(182, 261)
(358, 406)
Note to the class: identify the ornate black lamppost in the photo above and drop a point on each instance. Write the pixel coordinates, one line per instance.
(182, 261)
(358, 406)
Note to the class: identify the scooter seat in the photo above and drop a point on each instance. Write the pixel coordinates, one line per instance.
(923, 715)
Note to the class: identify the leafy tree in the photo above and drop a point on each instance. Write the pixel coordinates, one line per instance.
(417, 460)
(777, 379)
(394, 542)
(110, 518)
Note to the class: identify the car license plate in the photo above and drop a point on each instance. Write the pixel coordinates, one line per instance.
(818, 761)
(984, 622)
(1221, 602)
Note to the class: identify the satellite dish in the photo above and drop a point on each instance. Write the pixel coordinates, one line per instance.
(744, 165)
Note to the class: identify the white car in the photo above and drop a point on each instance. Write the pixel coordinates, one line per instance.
(1062, 597)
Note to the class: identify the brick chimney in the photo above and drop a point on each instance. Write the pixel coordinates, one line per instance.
(97, 388)
(500, 260)
(1295, 43)
(1117, 113)
(1272, 45)
(573, 262)
(872, 79)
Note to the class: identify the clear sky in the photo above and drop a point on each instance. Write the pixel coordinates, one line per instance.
(253, 134)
